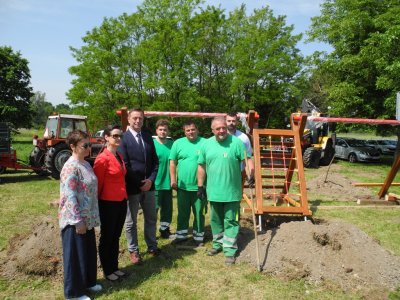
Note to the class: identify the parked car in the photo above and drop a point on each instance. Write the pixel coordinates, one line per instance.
(99, 134)
(355, 150)
(383, 146)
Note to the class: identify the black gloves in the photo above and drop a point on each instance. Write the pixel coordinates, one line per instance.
(251, 181)
(201, 193)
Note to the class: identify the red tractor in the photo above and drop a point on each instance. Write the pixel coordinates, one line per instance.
(51, 152)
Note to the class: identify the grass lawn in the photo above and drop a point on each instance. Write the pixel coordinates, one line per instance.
(24, 200)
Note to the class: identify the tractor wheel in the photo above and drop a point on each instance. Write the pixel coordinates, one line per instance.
(2, 169)
(329, 153)
(352, 158)
(311, 158)
(36, 160)
(56, 158)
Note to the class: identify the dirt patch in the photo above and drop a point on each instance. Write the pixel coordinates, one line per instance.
(328, 253)
(37, 253)
(332, 252)
(337, 187)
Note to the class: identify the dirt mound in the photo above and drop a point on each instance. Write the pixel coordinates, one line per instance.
(38, 253)
(337, 187)
(332, 252)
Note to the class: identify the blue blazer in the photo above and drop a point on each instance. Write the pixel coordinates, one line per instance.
(138, 166)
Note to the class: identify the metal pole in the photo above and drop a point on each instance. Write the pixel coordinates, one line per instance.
(259, 267)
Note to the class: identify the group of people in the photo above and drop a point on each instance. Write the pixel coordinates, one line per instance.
(136, 171)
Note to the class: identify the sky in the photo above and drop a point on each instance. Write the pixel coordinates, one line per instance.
(44, 30)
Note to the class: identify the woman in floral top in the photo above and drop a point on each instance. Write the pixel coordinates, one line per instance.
(78, 215)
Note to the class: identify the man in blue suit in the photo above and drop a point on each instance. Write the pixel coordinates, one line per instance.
(141, 162)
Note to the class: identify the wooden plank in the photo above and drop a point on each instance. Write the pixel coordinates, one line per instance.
(291, 201)
(392, 197)
(329, 207)
(389, 178)
(375, 202)
(373, 184)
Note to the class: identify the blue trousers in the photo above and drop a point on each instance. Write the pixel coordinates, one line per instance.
(80, 261)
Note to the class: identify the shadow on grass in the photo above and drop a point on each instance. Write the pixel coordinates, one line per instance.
(22, 142)
(15, 176)
(168, 259)
(150, 267)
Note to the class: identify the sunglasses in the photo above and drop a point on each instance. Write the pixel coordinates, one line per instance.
(86, 145)
(117, 136)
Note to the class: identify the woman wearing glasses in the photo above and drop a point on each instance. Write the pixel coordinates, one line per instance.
(78, 215)
(110, 170)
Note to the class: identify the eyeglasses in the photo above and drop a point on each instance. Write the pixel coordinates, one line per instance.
(86, 145)
(117, 136)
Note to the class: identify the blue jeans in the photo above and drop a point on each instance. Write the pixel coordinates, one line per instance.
(80, 261)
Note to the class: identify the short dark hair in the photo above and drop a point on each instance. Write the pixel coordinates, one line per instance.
(188, 123)
(137, 109)
(74, 137)
(162, 122)
(108, 129)
(232, 114)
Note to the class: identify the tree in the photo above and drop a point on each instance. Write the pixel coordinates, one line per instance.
(15, 90)
(361, 74)
(265, 64)
(176, 55)
(40, 109)
(63, 108)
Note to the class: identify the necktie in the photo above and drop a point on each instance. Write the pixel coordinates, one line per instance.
(139, 137)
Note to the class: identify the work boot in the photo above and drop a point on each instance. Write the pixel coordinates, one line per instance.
(230, 260)
(178, 240)
(213, 252)
(199, 244)
(165, 234)
(135, 258)
(154, 252)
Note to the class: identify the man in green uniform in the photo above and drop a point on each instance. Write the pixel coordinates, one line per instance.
(220, 158)
(162, 184)
(184, 154)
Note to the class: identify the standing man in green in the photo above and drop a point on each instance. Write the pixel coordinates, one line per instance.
(163, 184)
(184, 155)
(219, 160)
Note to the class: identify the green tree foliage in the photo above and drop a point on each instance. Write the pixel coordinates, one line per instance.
(15, 90)
(179, 56)
(360, 76)
(40, 109)
(63, 108)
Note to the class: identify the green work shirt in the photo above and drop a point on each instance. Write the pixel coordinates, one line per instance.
(222, 163)
(163, 180)
(186, 153)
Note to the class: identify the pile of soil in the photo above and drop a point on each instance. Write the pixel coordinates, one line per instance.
(37, 253)
(333, 186)
(330, 252)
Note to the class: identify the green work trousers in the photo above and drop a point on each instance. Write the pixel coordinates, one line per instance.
(188, 200)
(225, 226)
(164, 204)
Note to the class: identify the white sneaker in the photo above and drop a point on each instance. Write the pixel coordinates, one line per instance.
(95, 288)
(84, 297)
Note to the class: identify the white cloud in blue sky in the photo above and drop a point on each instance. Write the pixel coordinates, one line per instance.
(43, 31)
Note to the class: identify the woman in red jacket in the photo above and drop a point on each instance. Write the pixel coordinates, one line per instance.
(110, 170)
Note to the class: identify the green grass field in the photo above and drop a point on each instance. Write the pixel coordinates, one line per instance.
(24, 200)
